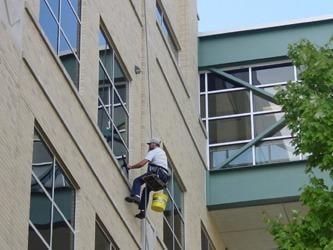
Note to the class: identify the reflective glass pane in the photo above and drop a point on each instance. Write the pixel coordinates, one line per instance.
(263, 122)
(218, 155)
(69, 24)
(106, 55)
(105, 87)
(64, 195)
(261, 104)
(69, 60)
(76, 6)
(120, 80)
(118, 146)
(63, 237)
(177, 195)
(272, 74)
(121, 88)
(178, 226)
(202, 106)
(54, 4)
(104, 94)
(167, 235)
(101, 241)
(120, 117)
(202, 82)
(231, 129)
(229, 103)
(275, 151)
(40, 210)
(49, 25)
(168, 211)
(35, 242)
(217, 82)
(158, 14)
(283, 132)
(104, 125)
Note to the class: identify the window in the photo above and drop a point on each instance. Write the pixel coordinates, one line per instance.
(52, 204)
(166, 30)
(112, 101)
(237, 115)
(102, 239)
(60, 21)
(173, 219)
(206, 243)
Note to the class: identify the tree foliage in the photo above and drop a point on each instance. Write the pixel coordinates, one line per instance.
(308, 107)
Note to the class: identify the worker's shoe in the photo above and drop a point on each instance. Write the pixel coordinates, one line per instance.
(141, 215)
(134, 199)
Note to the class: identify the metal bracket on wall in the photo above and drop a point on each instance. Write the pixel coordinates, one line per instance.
(258, 91)
(271, 130)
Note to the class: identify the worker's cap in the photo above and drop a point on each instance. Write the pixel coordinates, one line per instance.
(154, 140)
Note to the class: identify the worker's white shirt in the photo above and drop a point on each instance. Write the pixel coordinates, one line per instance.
(158, 157)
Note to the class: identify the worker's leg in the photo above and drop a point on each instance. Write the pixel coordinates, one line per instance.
(144, 198)
(137, 183)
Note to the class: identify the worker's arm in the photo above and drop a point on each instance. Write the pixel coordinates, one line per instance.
(140, 164)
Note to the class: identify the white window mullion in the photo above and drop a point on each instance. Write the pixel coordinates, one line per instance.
(252, 118)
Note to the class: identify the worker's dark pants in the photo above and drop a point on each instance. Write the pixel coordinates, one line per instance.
(138, 182)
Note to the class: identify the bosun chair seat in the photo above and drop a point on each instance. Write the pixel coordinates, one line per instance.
(154, 182)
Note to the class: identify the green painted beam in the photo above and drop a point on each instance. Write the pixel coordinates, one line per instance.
(258, 91)
(275, 127)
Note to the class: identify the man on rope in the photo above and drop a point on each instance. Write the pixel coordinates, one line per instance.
(157, 164)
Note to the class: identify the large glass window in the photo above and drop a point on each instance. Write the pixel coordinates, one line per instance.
(112, 101)
(52, 202)
(102, 239)
(236, 115)
(61, 22)
(173, 219)
(166, 30)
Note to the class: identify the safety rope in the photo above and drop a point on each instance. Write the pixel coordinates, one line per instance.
(150, 116)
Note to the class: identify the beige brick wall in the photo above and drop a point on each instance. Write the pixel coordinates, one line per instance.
(35, 87)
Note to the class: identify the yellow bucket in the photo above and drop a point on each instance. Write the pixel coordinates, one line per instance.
(159, 203)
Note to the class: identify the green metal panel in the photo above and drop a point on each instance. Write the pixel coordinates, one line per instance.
(256, 45)
(255, 185)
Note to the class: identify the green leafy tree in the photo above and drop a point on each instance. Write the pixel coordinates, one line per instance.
(308, 107)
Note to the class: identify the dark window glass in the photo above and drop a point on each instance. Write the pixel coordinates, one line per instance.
(263, 122)
(43, 214)
(229, 103)
(202, 82)
(283, 132)
(178, 226)
(40, 210)
(217, 82)
(204, 241)
(101, 241)
(64, 195)
(261, 104)
(167, 235)
(231, 129)
(202, 106)
(35, 242)
(120, 117)
(272, 74)
(118, 146)
(63, 237)
(219, 155)
(275, 151)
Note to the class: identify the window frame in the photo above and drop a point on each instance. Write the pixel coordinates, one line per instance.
(203, 75)
(113, 94)
(112, 244)
(180, 211)
(60, 32)
(56, 162)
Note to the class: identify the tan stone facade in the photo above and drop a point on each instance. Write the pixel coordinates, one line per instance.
(36, 91)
